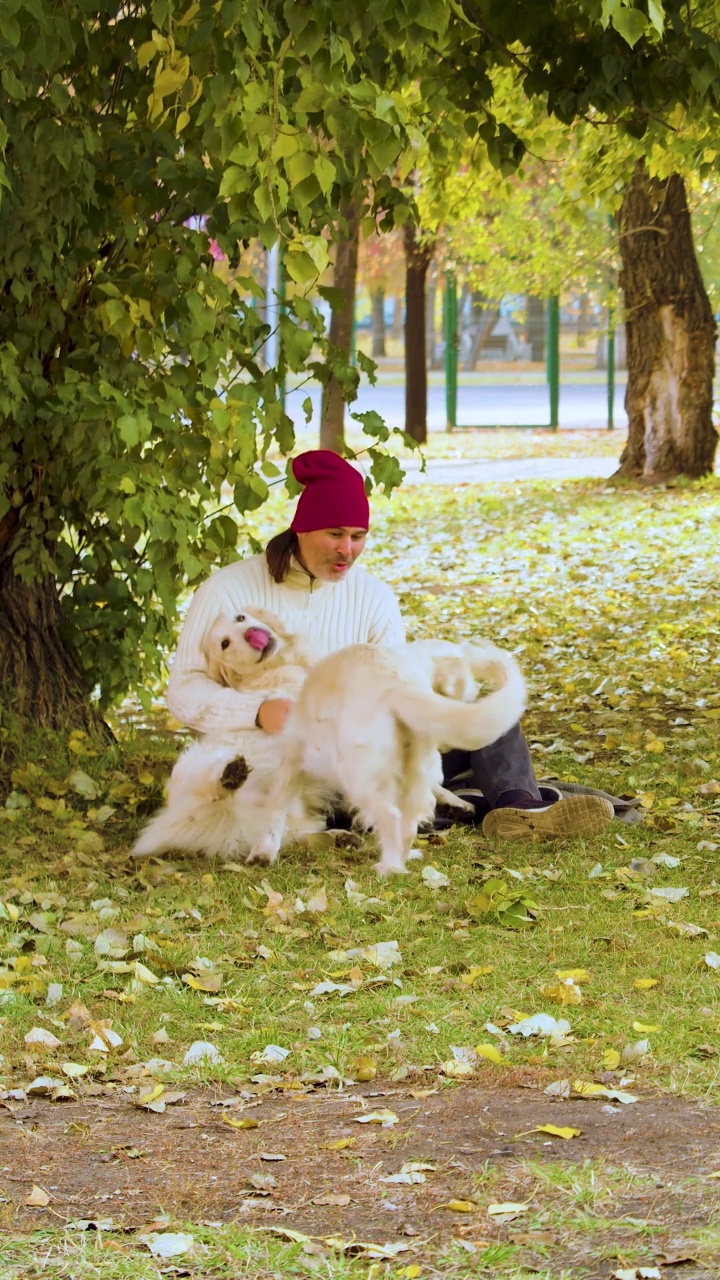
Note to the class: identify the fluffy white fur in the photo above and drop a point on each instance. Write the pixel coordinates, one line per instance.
(203, 813)
(369, 722)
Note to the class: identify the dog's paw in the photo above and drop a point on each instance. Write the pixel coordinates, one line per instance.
(261, 854)
(390, 868)
(235, 773)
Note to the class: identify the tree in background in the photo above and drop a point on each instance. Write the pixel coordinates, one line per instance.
(670, 335)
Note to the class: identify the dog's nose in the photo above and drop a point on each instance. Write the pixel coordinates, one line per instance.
(258, 638)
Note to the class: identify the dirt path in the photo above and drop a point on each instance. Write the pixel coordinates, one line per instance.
(101, 1157)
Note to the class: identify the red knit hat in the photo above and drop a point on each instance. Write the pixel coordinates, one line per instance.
(334, 495)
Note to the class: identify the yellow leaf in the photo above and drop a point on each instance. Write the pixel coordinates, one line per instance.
(587, 1089)
(73, 1070)
(489, 1051)
(610, 1060)
(208, 982)
(476, 971)
(654, 746)
(143, 974)
(338, 1145)
(365, 1069)
(411, 1272)
(567, 992)
(716, 1174)
(240, 1124)
(644, 1027)
(644, 984)
(557, 1132)
(457, 1068)
(460, 1206)
(574, 975)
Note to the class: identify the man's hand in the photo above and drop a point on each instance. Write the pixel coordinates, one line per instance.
(273, 714)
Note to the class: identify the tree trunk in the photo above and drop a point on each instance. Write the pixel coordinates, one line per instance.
(418, 256)
(583, 324)
(396, 330)
(332, 423)
(670, 335)
(535, 325)
(377, 300)
(483, 318)
(39, 681)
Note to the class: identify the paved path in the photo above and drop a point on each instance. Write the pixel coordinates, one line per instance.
(456, 471)
(488, 405)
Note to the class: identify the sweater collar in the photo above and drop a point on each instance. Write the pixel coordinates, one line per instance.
(299, 579)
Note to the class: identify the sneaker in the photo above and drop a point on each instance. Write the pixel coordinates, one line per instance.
(570, 818)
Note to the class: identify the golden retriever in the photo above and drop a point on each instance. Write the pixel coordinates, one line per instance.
(369, 723)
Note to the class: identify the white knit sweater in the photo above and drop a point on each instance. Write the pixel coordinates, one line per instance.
(358, 609)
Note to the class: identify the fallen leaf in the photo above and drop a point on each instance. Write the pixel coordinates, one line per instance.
(506, 1212)
(488, 1051)
(644, 984)
(167, 1244)
(365, 1069)
(39, 1035)
(74, 1070)
(338, 1145)
(567, 992)
(610, 1060)
(459, 1206)
(384, 1117)
(37, 1199)
(539, 1024)
(433, 878)
(477, 971)
(573, 975)
(555, 1131)
(637, 1273)
(271, 1156)
(643, 1028)
(241, 1124)
(339, 1201)
(202, 1051)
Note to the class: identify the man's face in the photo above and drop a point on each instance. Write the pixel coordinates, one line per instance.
(328, 554)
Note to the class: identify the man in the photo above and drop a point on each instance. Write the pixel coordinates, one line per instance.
(309, 578)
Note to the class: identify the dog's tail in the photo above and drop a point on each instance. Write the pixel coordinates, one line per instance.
(467, 725)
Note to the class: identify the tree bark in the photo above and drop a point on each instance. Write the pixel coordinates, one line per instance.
(332, 423)
(377, 300)
(670, 335)
(39, 681)
(483, 318)
(418, 255)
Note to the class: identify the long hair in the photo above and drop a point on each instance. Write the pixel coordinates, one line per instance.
(279, 552)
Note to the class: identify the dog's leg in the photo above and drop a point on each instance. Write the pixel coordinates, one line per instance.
(387, 824)
(443, 796)
(279, 802)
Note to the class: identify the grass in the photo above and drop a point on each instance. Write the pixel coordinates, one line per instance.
(611, 600)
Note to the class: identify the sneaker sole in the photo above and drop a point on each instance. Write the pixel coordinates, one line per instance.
(572, 817)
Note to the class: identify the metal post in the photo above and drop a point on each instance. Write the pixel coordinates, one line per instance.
(553, 359)
(272, 346)
(610, 371)
(281, 287)
(451, 350)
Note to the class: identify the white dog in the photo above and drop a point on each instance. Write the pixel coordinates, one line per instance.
(369, 722)
(215, 801)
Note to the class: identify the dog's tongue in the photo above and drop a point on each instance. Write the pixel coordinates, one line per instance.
(257, 638)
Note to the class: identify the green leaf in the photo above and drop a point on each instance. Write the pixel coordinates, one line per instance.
(631, 24)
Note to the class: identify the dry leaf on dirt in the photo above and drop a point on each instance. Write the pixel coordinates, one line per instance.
(554, 1130)
(507, 1212)
(339, 1201)
(37, 1199)
(241, 1124)
(338, 1145)
(384, 1117)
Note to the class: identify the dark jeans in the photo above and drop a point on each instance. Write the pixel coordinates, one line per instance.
(503, 766)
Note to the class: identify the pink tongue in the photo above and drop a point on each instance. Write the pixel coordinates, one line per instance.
(257, 639)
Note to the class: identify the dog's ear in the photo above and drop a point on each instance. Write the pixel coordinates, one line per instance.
(215, 670)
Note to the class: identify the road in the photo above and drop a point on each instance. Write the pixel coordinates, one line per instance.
(484, 404)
